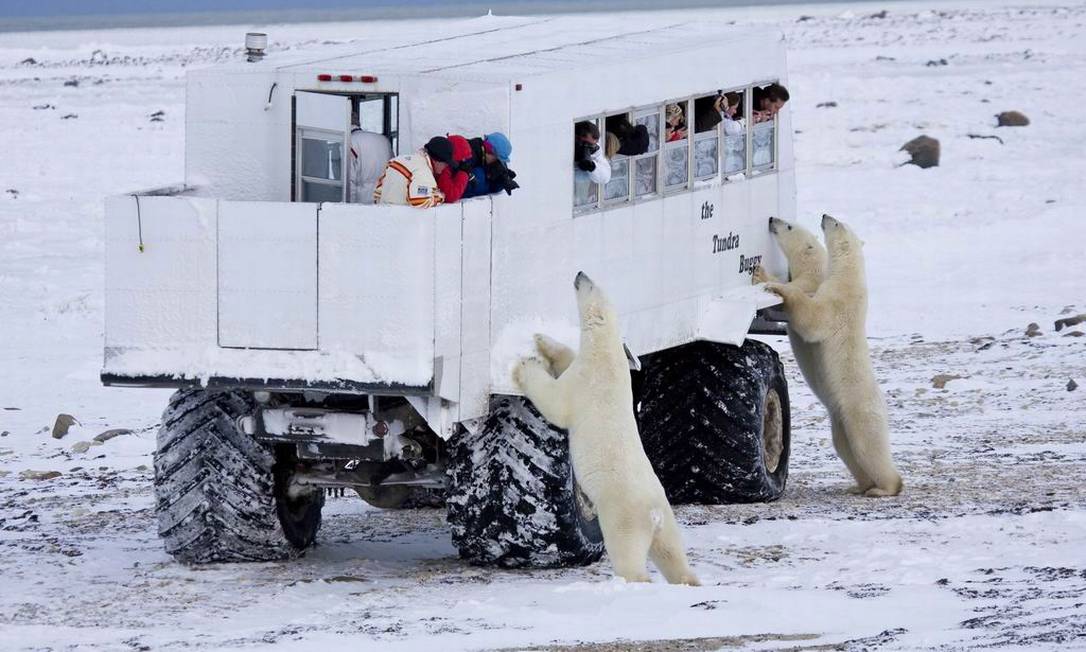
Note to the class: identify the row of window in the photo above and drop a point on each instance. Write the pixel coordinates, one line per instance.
(686, 145)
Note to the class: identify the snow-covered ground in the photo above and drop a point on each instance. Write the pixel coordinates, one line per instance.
(984, 548)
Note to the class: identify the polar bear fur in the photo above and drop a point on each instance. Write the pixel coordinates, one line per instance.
(589, 394)
(834, 317)
(807, 265)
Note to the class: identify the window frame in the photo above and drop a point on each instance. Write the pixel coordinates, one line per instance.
(300, 134)
(692, 183)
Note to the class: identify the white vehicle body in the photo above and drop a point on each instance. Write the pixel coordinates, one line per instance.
(228, 281)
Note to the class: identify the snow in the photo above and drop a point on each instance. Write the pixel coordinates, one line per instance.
(983, 548)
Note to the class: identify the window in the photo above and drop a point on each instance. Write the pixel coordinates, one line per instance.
(676, 159)
(645, 165)
(617, 130)
(764, 132)
(586, 193)
(321, 165)
(734, 136)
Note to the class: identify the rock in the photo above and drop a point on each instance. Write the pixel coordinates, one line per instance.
(804, 18)
(61, 425)
(13, 408)
(84, 446)
(13, 192)
(110, 434)
(1074, 334)
(39, 475)
(878, 15)
(1070, 321)
(72, 82)
(940, 380)
(1033, 330)
(5, 433)
(42, 107)
(1071, 385)
(158, 114)
(882, 57)
(69, 116)
(825, 105)
(936, 62)
(1012, 119)
(924, 151)
(29, 61)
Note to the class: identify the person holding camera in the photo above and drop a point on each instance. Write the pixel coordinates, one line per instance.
(453, 180)
(588, 158)
(410, 179)
(490, 171)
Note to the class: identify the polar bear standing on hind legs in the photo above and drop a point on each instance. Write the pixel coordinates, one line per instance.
(589, 395)
(807, 263)
(834, 318)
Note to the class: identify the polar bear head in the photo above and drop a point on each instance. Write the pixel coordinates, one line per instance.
(845, 248)
(597, 313)
(806, 255)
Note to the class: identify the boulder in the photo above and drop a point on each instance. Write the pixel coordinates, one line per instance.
(1012, 119)
(924, 151)
(39, 475)
(110, 434)
(61, 425)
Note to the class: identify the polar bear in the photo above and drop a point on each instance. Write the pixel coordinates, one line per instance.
(834, 318)
(806, 270)
(589, 394)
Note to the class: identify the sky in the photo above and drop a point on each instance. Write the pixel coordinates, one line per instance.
(37, 8)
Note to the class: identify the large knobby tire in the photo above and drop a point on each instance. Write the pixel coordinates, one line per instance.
(714, 420)
(512, 498)
(220, 494)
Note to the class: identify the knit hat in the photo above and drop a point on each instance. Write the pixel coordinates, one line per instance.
(440, 149)
(498, 145)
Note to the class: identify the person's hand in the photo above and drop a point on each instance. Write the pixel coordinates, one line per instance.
(682, 132)
(586, 164)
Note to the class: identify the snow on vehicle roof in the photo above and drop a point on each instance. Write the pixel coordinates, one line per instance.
(503, 49)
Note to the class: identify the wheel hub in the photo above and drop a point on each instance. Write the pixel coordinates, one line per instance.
(772, 431)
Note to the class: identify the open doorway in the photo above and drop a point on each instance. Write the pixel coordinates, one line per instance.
(329, 130)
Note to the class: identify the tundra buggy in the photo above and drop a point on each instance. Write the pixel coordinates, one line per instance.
(317, 340)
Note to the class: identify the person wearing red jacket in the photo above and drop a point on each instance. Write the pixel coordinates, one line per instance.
(453, 180)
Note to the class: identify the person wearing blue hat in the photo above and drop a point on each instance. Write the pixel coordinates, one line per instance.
(490, 171)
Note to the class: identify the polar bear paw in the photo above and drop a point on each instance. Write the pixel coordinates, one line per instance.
(775, 288)
(759, 275)
(523, 366)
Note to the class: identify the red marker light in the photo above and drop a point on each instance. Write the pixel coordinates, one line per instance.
(346, 78)
(324, 78)
(367, 79)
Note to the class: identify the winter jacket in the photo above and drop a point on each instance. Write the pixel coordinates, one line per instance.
(706, 117)
(409, 179)
(634, 141)
(602, 174)
(452, 181)
(369, 154)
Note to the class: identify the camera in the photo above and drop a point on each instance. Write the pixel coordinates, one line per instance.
(497, 174)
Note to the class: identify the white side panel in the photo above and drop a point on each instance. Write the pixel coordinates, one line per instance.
(267, 275)
(237, 142)
(377, 287)
(164, 295)
(447, 294)
(475, 315)
(425, 110)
